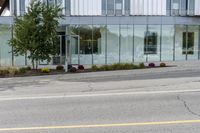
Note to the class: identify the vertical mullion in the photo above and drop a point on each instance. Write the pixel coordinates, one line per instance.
(161, 42)
(92, 44)
(133, 54)
(199, 45)
(119, 41)
(186, 26)
(60, 36)
(146, 44)
(106, 43)
(174, 49)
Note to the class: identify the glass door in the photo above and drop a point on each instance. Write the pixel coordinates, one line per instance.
(73, 49)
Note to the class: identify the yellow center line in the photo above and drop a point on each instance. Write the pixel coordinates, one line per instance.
(103, 125)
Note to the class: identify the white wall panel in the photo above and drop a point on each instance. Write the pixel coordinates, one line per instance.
(85, 7)
(197, 7)
(141, 7)
(90, 7)
(148, 7)
(154, 7)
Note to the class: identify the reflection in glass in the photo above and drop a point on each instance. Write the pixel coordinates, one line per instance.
(193, 41)
(167, 43)
(112, 44)
(86, 44)
(126, 43)
(179, 38)
(99, 43)
(139, 35)
(153, 42)
(5, 49)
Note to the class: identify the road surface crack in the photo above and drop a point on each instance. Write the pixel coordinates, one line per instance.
(187, 107)
(90, 88)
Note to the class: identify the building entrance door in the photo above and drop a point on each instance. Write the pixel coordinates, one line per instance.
(73, 49)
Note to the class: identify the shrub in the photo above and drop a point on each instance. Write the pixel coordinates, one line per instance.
(81, 67)
(106, 68)
(12, 71)
(152, 65)
(73, 70)
(28, 68)
(116, 66)
(60, 67)
(4, 72)
(69, 66)
(142, 65)
(162, 65)
(95, 67)
(45, 70)
(127, 66)
(23, 70)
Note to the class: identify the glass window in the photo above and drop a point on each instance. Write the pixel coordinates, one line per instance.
(104, 7)
(192, 42)
(191, 4)
(5, 49)
(118, 7)
(73, 45)
(112, 44)
(126, 43)
(110, 7)
(179, 41)
(22, 7)
(86, 44)
(99, 44)
(139, 35)
(152, 43)
(14, 7)
(167, 45)
(168, 7)
(127, 7)
(188, 43)
(51, 2)
(183, 10)
(175, 7)
(67, 7)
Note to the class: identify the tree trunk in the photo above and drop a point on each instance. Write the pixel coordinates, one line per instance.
(36, 64)
(33, 63)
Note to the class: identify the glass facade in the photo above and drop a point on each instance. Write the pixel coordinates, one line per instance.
(126, 43)
(167, 43)
(5, 49)
(113, 35)
(108, 44)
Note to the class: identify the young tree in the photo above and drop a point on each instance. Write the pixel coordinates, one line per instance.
(35, 32)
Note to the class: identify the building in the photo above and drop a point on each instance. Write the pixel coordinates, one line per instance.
(112, 31)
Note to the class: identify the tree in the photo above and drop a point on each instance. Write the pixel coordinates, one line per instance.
(35, 32)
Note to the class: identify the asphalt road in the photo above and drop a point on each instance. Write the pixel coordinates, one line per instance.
(151, 113)
(121, 102)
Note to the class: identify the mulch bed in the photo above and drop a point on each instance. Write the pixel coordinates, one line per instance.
(56, 72)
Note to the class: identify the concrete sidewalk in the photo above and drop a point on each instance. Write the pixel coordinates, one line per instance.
(186, 76)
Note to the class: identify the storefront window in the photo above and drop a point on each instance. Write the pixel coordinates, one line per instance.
(139, 35)
(99, 44)
(126, 43)
(179, 41)
(167, 46)
(153, 43)
(5, 49)
(112, 44)
(192, 42)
